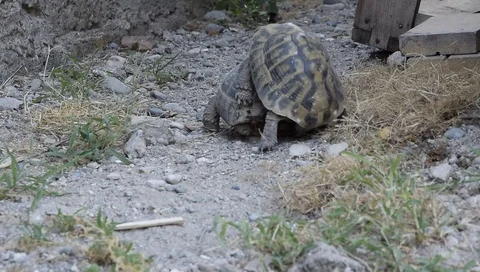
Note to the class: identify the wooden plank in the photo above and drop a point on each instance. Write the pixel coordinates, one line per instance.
(444, 35)
(379, 23)
(446, 7)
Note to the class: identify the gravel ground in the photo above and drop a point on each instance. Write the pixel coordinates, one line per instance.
(188, 172)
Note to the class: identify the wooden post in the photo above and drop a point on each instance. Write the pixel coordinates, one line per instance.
(379, 23)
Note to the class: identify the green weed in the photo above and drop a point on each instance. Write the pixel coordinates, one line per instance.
(34, 237)
(157, 69)
(14, 183)
(108, 250)
(74, 81)
(105, 251)
(91, 140)
(384, 215)
(274, 236)
(250, 12)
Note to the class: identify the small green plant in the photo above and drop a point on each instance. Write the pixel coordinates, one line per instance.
(157, 69)
(250, 12)
(10, 180)
(105, 251)
(75, 81)
(13, 183)
(108, 250)
(34, 237)
(383, 215)
(92, 139)
(274, 236)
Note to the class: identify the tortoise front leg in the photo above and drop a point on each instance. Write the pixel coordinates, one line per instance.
(269, 135)
(211, 117)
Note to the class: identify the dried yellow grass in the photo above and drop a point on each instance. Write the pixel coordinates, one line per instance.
(60, 119)
(390, 106)
(400, 104)
(320, 185)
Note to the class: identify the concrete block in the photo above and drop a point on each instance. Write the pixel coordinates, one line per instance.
(468, 61)
(453, 62)
(421, 62)
(444, 35)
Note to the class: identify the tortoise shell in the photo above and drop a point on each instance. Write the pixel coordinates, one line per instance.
(293, 75)
(226, 102)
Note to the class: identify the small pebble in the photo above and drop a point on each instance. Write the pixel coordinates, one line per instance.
(185, 159)
(36, 84)
(297, 150)
(116, 62)
(114, 176)
(339, 6)
(176, 189)
(316, 19)
(147, 170)
(112, 46)
(175, 107)
(236, 187)
(396, 59)
(177, 125)
(253, 217)
(214, 29)
(335, 149)
(156, 112)
(199, 116)
(205, 160)
(9, 103)
(454, 133)
(442, 171)
(217, 15)
(157, 184)
(159, 96)
(93, 165)
(136, 146)
(173, 179)
(68, 250)
(476, 161)
(20, 257)
(115, 85)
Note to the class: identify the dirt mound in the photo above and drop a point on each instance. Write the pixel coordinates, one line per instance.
(28, 29)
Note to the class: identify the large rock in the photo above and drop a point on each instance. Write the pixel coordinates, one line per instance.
(28, 27)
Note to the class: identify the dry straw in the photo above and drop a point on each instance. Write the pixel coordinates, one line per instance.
(320, 185)
(60, 119)
(390, 106)
(400, 104)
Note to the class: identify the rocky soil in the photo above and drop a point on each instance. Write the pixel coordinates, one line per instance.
(182, 170)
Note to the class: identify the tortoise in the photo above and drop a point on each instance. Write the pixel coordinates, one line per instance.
(294, 78)
(236, 103)
(288, 77)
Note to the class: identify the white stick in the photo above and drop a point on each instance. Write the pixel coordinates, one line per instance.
(150, 223)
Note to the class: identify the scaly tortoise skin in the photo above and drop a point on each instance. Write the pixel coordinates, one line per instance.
(295, 80)
(227, 103)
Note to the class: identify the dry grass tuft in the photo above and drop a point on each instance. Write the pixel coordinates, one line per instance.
(60, 119)
(374, 209)
(395, 105)
(319, 186)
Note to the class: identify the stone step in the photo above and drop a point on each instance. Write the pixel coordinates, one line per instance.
(453, 62)
(443, 35)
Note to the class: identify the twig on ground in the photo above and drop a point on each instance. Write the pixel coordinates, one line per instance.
(150, 223)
